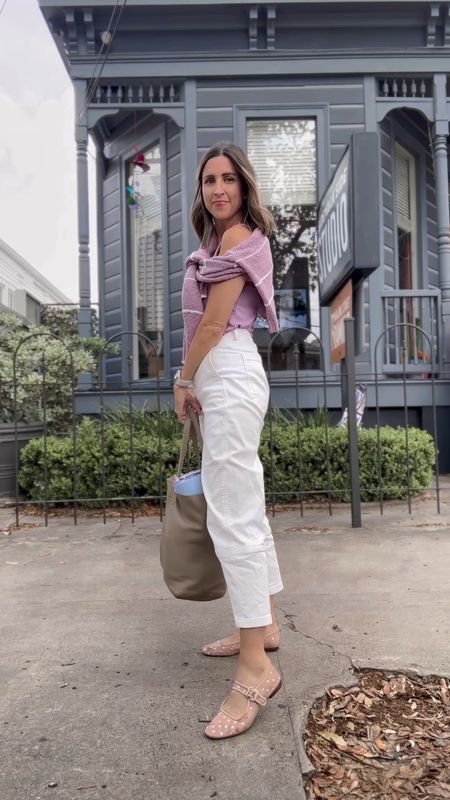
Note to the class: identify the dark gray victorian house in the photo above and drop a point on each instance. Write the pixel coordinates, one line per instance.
(290, 81)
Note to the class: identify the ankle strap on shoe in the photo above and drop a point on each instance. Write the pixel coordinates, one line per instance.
(249, 692)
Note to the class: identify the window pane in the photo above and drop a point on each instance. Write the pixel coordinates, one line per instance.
(33, 310)
(406, 211)
(402, 184)
(405, 268)
(147, 260)
(283, 152)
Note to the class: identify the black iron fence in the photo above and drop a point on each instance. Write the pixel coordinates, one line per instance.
(298, 444)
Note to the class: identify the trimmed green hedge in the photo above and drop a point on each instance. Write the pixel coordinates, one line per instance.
(285, 459)
(317, 476)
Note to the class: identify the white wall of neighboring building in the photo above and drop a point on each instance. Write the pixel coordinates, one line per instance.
(21, 284)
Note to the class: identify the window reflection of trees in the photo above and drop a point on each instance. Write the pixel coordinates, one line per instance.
(147, 255)
(284, 154)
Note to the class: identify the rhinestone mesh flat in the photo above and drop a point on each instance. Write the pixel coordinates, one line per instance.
(224, 725)
(222, 648)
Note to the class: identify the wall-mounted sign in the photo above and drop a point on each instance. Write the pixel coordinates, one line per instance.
(341, 309)
(348, 224)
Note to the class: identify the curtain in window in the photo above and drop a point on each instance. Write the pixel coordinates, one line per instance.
(405, 206)
(402, 184)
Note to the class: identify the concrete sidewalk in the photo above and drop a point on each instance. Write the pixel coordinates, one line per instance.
(105, 692)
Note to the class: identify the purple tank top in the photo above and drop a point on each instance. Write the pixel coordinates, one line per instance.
(245, 310)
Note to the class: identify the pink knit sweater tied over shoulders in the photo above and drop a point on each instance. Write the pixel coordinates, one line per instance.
(251, 258)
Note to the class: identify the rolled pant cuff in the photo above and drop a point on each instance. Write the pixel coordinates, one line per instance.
(253, 622)
(277, 587)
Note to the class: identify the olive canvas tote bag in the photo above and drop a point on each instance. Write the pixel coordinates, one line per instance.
(191, 568)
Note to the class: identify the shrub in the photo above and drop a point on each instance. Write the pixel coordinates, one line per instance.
(322, 469)
(282, 464)
(64, 359)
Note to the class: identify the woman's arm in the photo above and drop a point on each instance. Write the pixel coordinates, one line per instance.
(222, 298)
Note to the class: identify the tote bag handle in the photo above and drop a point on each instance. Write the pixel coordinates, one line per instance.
(191, 430)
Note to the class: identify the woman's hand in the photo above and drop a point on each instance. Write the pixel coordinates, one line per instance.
(183, 399)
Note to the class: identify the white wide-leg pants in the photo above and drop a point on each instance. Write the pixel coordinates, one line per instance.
(232, 388)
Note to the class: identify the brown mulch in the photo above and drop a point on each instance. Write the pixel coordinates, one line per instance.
(385, 738)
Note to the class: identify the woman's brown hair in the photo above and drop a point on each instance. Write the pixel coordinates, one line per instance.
(254, 215)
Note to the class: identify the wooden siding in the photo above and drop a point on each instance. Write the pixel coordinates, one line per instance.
(387, 211)
(112, 289)
(309, 28)
(344, 96)
(175, 243)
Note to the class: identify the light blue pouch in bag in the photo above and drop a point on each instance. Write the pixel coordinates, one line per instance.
(189, 484)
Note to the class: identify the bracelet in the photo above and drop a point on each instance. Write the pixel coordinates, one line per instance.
(179, 381)
(183, 384)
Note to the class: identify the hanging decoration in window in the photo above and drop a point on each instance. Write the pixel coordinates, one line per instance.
(133, 194)
(140, 166)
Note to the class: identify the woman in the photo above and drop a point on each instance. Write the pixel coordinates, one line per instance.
(228, 283)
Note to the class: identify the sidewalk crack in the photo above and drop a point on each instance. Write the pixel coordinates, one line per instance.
(292, 626)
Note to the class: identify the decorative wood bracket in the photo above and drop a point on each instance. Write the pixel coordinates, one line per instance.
(261, 32)
(447, 26)
(271, 20)
(89, 27)
(253, 14)
(433, 17)
(72, 37)
(176, 113)
(94, 115)
(425, 106)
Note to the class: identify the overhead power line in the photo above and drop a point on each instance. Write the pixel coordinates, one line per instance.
(3, 6)
(105, 39)
(106, 43)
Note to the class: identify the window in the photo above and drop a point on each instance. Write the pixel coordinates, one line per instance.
(33, 310)
(405, 204)
(407, 262)
(10, 298)
(2, 290)
(284, 154)
(147, 264)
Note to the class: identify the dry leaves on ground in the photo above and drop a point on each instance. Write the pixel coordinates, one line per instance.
(386, 738)
(142, 509)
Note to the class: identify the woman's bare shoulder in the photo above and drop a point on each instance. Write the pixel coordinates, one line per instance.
(233, 237)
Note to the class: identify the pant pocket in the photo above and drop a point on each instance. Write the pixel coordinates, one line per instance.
(212, 363)
(256, 377)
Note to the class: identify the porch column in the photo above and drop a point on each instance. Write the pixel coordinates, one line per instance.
(84, 274)
(440, 133)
